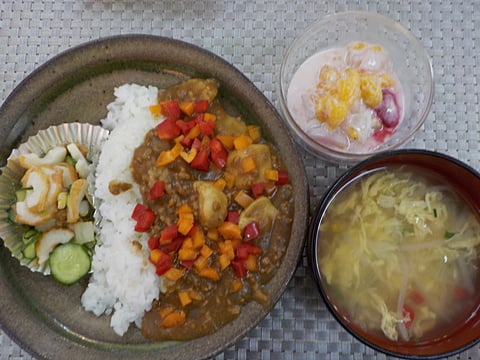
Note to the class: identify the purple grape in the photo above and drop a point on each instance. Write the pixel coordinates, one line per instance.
(388, 110)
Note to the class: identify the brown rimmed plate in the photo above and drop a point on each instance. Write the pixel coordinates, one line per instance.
(47, 319)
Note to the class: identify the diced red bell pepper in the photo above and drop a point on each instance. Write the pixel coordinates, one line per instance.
(173, 246)
(157, 190)
(201, 106)
(168, 234)
(241, 252)
(460, 293)
(202, 160)
(206, 126)
(144, 217)
(187, 264)
(238, 268)
(408, 312)
(138, 210)
(153, 243)
(196, 144)
(145, 220)
(171, 109)
(251, 231)
(244, 249)
(233, 216)
(258, 188)
(164, 264)
(186, 142)
(417, 297)
(218, 153)
(283, 177)
(168, 130)
(185, 126)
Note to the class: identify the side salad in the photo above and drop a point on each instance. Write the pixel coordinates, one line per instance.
(55, 207)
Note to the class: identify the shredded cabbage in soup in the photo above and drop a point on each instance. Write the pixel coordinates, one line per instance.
(400, 254)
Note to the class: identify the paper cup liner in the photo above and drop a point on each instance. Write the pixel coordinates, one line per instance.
(88, 135)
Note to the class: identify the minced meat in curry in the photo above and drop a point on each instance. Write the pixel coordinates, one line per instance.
(217, 206)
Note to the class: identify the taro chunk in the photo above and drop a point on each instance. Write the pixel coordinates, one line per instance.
(261, 155)
(212, 204)
(262, 211)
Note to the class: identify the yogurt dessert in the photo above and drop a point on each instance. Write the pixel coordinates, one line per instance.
(347, 98)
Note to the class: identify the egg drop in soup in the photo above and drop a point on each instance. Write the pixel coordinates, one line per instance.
(399, 254)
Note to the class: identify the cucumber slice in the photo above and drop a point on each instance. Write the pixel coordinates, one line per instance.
(69, 263)
(21, 194)
(29, 251)
(30, 236)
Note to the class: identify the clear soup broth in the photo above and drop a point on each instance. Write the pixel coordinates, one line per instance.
(399, 254)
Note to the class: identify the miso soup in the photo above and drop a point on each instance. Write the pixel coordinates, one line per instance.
(399, 253)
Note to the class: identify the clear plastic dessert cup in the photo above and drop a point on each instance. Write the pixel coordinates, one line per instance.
(410, 62)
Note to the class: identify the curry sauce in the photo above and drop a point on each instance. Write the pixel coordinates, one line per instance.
(220, 208)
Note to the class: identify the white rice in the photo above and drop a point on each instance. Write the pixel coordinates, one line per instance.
(123, 283)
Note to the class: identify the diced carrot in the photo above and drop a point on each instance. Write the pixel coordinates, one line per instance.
(236, 243)
(187, 254)
(155, 255)
(220, 183)
(236, 285)
(224, 261)
(165, 311)
(184, 297)
(206, 251)
(248, 164)
(230, 179)
(209, 117)
(168, 156)
(251, 263)
(226, 248)
(173, 319)
(187, 243)
(198, 238)
(194, 132)
(185, 208)
(212, 234)
(185, 223)
(155, 109)
(187, 107)
(195, 295)
(210, 273)
(226, 140)
(271, 174)
(201, 263)
(185, 219)
(173, 274)
(230, 230)
(241, 142)
(243, 199)
(189, 156)
(254, 132)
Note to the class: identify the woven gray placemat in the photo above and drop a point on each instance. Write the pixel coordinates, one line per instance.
(253, 37)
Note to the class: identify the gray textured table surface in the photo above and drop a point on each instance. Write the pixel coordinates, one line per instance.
(252, 35)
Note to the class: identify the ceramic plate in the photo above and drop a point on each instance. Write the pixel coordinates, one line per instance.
(46, 318)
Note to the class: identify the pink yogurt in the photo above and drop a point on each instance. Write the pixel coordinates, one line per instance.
(372, 126)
